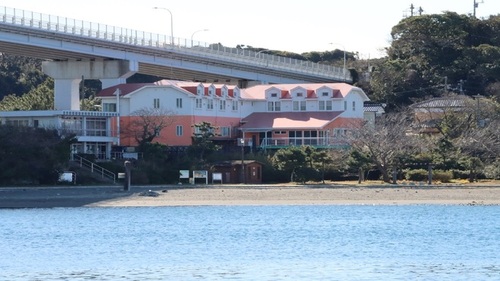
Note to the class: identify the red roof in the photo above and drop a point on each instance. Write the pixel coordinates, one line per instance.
(288, 120)
(124, 89)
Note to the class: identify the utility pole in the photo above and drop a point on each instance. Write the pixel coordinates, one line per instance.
(420, 10)
(412, 8)
(476, 4)
(446, 84)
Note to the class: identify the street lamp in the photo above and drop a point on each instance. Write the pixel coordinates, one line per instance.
(343, 47)
(195, 33)
(242, 143)
(259, 52)
(171, 22)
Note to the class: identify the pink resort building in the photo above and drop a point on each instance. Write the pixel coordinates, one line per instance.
(263, 116)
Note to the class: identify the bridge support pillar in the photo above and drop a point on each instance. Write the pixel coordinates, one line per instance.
(68, 74)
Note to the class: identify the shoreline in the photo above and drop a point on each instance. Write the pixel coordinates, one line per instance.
(220, 195)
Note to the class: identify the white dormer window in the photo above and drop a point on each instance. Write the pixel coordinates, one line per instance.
(324, 94)
(274, 95)
(300, 95)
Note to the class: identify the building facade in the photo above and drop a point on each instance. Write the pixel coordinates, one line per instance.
(94, 131)
(263, 116)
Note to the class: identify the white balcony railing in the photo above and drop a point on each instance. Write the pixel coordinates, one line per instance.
(298, 141)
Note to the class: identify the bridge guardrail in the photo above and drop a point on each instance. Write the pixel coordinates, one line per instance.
(153, 40)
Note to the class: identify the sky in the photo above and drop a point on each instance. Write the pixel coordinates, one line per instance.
(298, 26)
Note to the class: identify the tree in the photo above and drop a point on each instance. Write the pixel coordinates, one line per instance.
(359, 161)
(432, 54)
(146, 124)
(39, 98)
(203, 144)
(32, 155)
(19, 75)
(321, 158)
(289, 160)
(386, 144)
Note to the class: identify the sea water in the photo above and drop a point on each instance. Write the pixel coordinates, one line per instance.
(352, 242)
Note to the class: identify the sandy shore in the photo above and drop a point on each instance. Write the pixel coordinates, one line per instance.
(115, 196)
(310, 196)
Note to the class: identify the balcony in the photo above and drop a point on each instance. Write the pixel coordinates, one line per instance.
(317, 142)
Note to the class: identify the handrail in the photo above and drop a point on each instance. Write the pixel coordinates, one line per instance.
(81, 28)
(299, 141)
(94, 168)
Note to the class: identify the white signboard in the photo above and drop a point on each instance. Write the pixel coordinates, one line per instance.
(201, 174)
(217, 177)
(184, 174)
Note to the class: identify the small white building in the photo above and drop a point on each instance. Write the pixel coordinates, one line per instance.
(93, 130)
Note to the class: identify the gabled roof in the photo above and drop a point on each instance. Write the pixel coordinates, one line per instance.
(443, 102)
(340, 90)
(374, 107)
(125, 89)
(259, 121)
(190, 87)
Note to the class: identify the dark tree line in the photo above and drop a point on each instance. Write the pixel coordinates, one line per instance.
(432, 55)
(32, 155)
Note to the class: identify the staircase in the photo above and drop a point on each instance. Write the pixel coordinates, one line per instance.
(95, 169)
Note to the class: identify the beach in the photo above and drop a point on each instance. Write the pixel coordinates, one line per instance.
(186, 195)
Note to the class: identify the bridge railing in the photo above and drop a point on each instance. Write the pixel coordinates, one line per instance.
(110, 33)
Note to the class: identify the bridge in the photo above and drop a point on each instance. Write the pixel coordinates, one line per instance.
(72, 49)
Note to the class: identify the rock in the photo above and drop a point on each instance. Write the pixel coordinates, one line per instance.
(149, 193)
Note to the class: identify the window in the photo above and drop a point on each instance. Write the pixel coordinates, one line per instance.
(178, 102)
(156, 103)
(96, 127)
(222, 105)
(235, 105)
(299, 105)
(199, 103)
(329, 105)
(73, 125)
(210, 104)
(17, 123)
(274, 95)
(225, 131)
(345, 105)
(178, 130)
(353, 106)
(321, 105)
(274, 106)
(109, 107)
(299, 94)
(324, 94)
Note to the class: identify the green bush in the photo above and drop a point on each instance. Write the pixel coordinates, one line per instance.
(442, 176)
(417, 175)
(460, 174)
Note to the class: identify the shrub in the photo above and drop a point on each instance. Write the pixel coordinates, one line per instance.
(417, 175)
(442, 176)
(460, 174)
